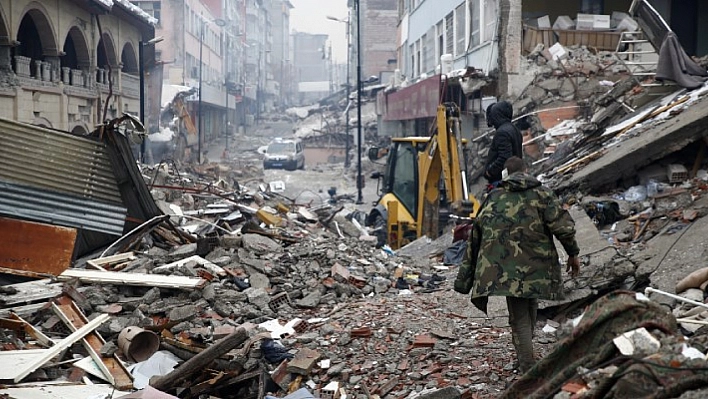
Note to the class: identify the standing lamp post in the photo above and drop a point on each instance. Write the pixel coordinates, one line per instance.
(347, 144)
(221, 23)
(199, 112)
(141, 66)
(359, 197)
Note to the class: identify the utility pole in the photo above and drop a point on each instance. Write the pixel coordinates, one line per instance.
(199, 113)
(347, 144)
(226, 86)
(142, 96)
(359, 197)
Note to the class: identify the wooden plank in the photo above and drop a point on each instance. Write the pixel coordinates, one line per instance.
(22, 310)
(137, 279)
(112, 368)
(37, 248)
(99, 263)
(31, 291)
(33, 332)
(63, 390)
(59, 347)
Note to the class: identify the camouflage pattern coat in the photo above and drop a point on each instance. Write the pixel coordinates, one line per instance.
(516, 255)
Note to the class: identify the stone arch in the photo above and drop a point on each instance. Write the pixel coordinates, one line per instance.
(129, 59)
(80, 128)
(76, 52)
(36, 27)
(4, 31)
(42, 122)
(106, 55)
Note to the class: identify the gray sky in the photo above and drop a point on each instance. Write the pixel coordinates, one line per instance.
(311, 16)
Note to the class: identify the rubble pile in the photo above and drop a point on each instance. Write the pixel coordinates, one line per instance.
(225, 272)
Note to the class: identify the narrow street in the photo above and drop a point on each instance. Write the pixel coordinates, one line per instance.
(299, 199)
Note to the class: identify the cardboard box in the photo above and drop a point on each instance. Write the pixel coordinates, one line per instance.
(544, 22)
(584, 22)
(564, 22)
(617, 17)
(628, 24)
(601, 22)
(592, 22)
(558, 52)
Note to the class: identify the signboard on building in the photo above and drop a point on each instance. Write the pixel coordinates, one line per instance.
(417, 101)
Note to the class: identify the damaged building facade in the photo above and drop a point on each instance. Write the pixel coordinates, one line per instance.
(495, 37)
(71, 64)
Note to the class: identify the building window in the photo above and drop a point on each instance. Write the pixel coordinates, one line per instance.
(475, 29)
(460, 30)
(417, 58)
(490, 20)
(449, 34)
(440, 41)
(429, 50)
(424, 53)
(153, 8)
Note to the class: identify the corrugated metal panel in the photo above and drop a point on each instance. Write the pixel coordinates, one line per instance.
(60, 209)
(56, 161)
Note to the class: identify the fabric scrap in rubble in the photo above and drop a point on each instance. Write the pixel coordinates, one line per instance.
(674, 64)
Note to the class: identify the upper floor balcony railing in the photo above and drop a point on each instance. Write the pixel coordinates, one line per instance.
(42, 73)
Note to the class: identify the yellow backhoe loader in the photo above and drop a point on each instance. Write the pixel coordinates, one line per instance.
(423, 183)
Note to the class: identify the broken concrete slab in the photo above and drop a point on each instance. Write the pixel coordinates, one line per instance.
(259, 244)
(657, 140)
(303, 362)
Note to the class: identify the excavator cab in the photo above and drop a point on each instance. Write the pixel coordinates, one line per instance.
(398, 189)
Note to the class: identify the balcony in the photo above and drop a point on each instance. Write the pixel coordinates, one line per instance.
(81, 82)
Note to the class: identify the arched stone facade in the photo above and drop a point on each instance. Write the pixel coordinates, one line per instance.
(54, 62)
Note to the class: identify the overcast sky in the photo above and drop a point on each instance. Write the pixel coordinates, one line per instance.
(311, 16)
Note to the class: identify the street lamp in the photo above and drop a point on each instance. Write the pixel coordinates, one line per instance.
(141, 72)
(346, 112)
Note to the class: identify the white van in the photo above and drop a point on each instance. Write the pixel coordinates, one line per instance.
(284, 153)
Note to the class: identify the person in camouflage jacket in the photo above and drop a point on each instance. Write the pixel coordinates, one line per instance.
(511, 252)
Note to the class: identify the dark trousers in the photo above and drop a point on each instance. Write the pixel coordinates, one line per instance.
(522, 319)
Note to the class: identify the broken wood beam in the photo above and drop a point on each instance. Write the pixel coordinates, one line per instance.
(136, 279)
(55, 350)
(112, 368)
(200, 361)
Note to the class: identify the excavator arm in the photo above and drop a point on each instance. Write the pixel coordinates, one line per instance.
(441, 162)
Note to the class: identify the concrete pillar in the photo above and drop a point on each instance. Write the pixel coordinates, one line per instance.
(54, 64)
(22, 65)
(509, 44)
(5, 58)
(38, 69)
(46, 71)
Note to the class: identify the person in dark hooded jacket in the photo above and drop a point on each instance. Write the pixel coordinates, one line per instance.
(506, 143)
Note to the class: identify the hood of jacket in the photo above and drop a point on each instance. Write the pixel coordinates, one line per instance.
(501, 113)
(520, 181)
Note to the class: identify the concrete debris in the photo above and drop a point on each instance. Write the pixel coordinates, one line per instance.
(245, 281)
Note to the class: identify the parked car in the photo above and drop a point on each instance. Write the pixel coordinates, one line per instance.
(284, 153)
